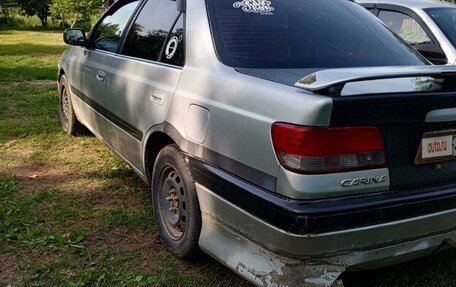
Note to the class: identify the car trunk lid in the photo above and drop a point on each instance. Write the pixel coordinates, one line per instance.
(402, 122)
(407, 104)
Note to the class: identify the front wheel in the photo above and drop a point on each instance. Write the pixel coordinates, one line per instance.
(175, 201)
(68, 119)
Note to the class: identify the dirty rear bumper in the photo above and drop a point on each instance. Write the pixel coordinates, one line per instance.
(323, 216)
(264, 267)
(268, 255)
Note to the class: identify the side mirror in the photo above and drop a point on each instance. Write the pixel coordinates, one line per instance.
(433, 53)
(75, 37)
(181, 5)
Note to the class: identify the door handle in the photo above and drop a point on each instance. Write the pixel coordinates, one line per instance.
(101, 75)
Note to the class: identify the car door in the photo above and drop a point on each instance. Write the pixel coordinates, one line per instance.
(143, 77)
(413, 30)
(93, 64)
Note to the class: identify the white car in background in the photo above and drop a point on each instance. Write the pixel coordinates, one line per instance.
(429, 26)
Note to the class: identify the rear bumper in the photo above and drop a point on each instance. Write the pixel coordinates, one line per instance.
(325, 244)
(324, 216)
(263, 267)
(267, 254)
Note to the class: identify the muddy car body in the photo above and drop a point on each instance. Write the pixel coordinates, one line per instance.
(266, 143)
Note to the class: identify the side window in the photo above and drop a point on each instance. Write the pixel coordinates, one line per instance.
(150, 38)
(405, 26)
(174, 48)
(108, 33)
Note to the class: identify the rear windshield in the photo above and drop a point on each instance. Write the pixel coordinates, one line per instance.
(303, 34)
(445, 18)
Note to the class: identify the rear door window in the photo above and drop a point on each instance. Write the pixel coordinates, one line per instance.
(150, 37)
(405, 26)
(108, 33)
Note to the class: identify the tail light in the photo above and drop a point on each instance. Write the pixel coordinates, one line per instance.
(328, 150)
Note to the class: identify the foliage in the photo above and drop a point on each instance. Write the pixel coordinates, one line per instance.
(38, 8)
(72, 11)
(25, 23)
(414, 36)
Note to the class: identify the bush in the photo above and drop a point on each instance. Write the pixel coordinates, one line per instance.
(84, 24)
(19, 22)
(13, 23)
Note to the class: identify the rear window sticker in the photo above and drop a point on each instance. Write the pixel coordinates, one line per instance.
(262, 7)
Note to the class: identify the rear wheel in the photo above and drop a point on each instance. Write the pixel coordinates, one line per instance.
(175, 202)
(68, 119)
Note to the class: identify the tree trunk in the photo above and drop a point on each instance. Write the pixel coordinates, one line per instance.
(75, 20)
(7, 16)
(43, 18)
(62, 24)
(43, 21)
(108, 3)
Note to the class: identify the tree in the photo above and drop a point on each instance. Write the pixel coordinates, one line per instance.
(109, 2)
(5, 8)
(38, 8)
(71, 11)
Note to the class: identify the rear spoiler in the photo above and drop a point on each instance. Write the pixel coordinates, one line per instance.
(332, 81)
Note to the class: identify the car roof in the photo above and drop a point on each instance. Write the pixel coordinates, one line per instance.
(420, 4)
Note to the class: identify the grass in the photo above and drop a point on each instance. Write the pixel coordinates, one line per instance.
(73, 214)
(28, 56)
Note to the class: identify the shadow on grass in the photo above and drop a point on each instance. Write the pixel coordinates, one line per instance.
(123, 206)
(117, 232)
(30, 49)
(28, 73)
(27, 110)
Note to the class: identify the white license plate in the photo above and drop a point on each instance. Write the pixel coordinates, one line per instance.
(438, 147)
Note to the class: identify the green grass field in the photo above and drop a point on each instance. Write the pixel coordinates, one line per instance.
(72, 214)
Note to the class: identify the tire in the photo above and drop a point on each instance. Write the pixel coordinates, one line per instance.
(175, 202)
(69, 121)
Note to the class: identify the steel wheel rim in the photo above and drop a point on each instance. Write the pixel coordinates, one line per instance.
(65, 104)
(173, 203)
